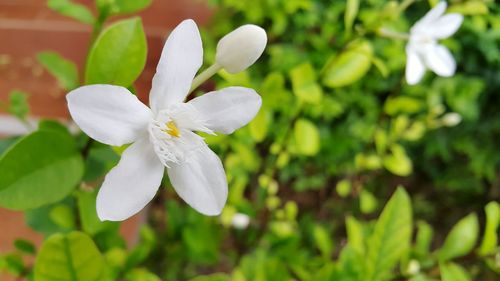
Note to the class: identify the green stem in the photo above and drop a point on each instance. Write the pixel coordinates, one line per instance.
(384, 32)
(404, 5)
(204, 76)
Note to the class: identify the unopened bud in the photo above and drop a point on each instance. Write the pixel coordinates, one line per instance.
(240, 221)
(240, 48)
(451, 119)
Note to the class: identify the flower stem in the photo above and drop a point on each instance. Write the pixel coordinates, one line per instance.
(204, 76)
(405, 4)
(384, 32)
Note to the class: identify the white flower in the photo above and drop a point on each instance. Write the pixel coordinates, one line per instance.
(451, 119)
(423, 51)
(241, 48)
(240, 221)
(162, 136)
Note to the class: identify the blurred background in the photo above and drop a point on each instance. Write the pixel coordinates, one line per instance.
(339, 131)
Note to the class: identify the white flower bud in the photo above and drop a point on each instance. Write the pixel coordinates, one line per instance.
(451, 119)
(240, 48)
(240, 221)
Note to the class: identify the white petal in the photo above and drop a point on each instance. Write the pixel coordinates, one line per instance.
(108, 114)
(415, 67)
(130, 185)
(446, 26)
(228, 109)
(201, 181)
(181, 58)
(430, 17)
(439, 59)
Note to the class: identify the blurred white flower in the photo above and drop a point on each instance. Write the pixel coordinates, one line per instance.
(240, 221)
(163, 135)
(423, 50)
(451, 119)
(241, 48)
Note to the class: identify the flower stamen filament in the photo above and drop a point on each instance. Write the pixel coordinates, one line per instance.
(172, 129)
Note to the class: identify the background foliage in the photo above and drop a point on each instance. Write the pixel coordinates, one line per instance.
(347, 173)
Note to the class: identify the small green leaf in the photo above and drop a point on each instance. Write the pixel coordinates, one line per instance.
(260, 125)
(73, 10)
(91, 224)
(355, 234)
(469, 8)
(350, 66)
(367, 202)
(461, 239)
(490, 237)
(69, 257)
(63, 216)
(343, 187)
(403, 104)
(141, 274)
(119, 54)
(25, 246)
(18, 104)
(390, 238)
(424, 238)
(306, 137)
(453, 272)
(351, 12)
(65, 71)
(398, 162)
(39, 169)
(323, 241)
(304, 83)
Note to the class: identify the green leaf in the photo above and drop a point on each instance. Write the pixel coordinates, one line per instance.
(39, 169)
(115, 7)
(453, 272)
(141, 274)
(343, 187)
(402, 104)
(461, 239)
(69, 257)
(25, 246)
(304, 83)
(351, 11)
(323, 241)
(260, 125)
(350, 66)
(91, 224)
(63, 216)
(390, 238)
(18, 104)
(490, 237)
(119, 54)
(65, 71)
(73, 10)
(212, 277)
(355, 235)
(424, 238)
(367, 202)
(398, 162)
(306, 137)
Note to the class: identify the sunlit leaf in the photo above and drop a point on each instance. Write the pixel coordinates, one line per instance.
(71, 9)
(453, 272)
(63, 70)
(306, 137)
(69, 257)
(490, 237)
(461, 239)
(119, 54)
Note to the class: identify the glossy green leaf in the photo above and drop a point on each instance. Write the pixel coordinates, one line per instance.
(306, 137)
(390, 238)
(453, 272)
(71, 9)
(39, 169)
(490, 238)
(69, 257)
(65, 71)
(461, 239)
(304, 83)
(119, 54)
(350, 66)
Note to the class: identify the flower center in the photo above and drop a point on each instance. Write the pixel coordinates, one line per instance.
(172, 129)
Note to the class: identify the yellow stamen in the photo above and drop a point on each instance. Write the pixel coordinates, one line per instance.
(173, 130)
